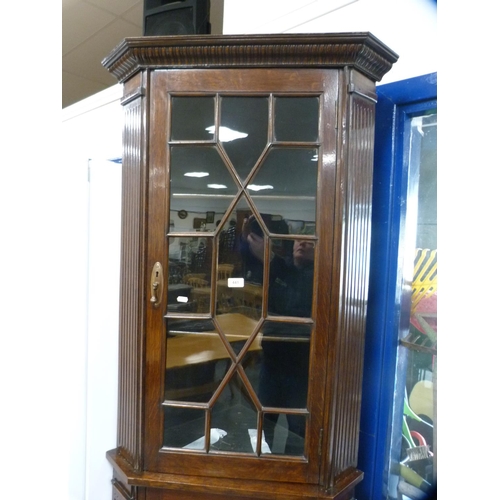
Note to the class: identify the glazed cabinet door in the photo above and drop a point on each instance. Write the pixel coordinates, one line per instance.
(240, 247)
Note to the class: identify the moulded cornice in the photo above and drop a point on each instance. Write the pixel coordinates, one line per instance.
(361, 51)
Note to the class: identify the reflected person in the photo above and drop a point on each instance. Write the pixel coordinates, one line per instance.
(284, 372)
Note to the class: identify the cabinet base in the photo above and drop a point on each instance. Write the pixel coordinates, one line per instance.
(129, 484)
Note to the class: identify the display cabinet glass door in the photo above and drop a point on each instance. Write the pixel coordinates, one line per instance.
(240, 174)
(413, 453)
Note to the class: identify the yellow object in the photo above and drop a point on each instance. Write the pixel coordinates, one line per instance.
(422, 399)
(410, 476)
(424, 276)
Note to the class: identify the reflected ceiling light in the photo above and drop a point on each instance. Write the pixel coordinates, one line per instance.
(217, 186)
(226, 134)
(315, 157)
(257, 187)
(196, 174)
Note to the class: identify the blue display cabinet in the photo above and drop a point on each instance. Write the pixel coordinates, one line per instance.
(398, 440)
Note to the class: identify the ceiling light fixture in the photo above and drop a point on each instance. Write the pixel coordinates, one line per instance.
(257, 187)
(217, 186)
(226, 134)
(196, 174)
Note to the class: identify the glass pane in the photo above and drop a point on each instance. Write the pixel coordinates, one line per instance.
(189, 274)
(184, 428)
(184, 127)
(236, 415)
(204, 168)
(414, 443)
(228, 363)
(296, 119)
(244, 125)
(201, 187)
(291, 279)
(237, 327)
(286, 174)
(284, 370)
(279, 371)
(284, 434)
(196, 360)
(238, 290)
(427, 186)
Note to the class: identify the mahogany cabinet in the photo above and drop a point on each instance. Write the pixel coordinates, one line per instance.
(247, 179)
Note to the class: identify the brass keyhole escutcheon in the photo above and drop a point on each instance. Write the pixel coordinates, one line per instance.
(156, 284)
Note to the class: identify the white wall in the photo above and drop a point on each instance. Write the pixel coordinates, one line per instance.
(92, 134)
(408, 27)
(103, 310)
(92, 131)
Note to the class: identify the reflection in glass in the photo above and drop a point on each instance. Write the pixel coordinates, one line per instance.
(283, 364)
(414, 443)
(184, 428)
(296, 119)
(237, 327)
(186, 160)
(243, 293)
(248, 115)
(284, 433)
(427, 189)
(189, 274)
(211, 190)
(228, 246)
(289, 174)
(284, 374)
(291, 278)
(184, 128)
(235, 414)
(248, 365)
(196, 360)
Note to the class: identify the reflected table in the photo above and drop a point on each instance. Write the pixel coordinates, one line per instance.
(195, 348)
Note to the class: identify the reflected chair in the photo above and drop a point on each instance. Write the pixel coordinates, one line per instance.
(197, 282)
(188, 276)
(200, 293)
(224, 271)
(224, 295)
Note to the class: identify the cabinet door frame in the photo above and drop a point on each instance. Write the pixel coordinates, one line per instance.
(245, 82)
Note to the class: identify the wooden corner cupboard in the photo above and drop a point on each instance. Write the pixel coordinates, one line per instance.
(247, 179)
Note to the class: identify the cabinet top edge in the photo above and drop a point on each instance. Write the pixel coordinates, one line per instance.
(362, 51)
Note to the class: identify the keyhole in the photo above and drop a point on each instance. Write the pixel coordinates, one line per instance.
(156, 284)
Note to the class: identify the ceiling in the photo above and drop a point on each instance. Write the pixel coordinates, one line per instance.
(90, 30)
